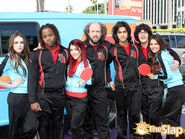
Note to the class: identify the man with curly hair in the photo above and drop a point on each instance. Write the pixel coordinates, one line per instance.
(97, 54)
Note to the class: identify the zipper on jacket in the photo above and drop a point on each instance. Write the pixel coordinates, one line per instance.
(123, 86)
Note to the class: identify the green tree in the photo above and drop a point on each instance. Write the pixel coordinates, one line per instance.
(92, 9)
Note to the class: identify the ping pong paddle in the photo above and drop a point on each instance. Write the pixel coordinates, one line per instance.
(86, 74)
(144, 69)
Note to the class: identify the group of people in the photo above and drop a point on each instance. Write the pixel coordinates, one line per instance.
(48, 79)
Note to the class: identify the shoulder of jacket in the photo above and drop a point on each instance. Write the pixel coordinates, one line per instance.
(108, 44)
(36, 52)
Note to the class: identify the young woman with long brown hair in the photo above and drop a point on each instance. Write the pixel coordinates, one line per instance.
(17, 70)
(162, 60)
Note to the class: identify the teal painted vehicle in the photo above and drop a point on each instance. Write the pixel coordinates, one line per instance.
(70, 27)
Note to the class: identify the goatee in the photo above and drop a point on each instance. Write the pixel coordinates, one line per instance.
(95, 43)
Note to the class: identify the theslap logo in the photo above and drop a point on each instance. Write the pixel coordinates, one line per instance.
(143, 128)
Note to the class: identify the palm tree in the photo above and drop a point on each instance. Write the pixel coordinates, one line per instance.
(69, 9)
(40, 5)
(94, 2)
(105, 6)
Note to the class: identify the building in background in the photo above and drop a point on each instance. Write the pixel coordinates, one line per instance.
(133, 8)
(162, 13)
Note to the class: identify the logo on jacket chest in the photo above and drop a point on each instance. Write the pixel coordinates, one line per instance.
(101, 56)
(61, 58)
(133, 53)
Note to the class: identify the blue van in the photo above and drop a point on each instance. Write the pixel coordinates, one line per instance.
(70, 27)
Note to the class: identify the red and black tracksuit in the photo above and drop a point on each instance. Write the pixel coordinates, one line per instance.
(46, 85)
(97, 95)
(128, 88)
(152, 94)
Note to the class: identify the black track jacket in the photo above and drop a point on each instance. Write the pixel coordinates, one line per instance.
(98, 60)
(127, 74)
(44, 73)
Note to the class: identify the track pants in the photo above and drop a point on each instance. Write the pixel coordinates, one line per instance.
(31, 124)
(51, 115)
(128, 103)
(76, 108)
(96, 113)
(151, 107)
(18, 106)
(171, 110)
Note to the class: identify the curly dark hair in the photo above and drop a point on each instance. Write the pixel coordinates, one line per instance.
(103, 31)
(55, 30)
(144, 27)
(116, 28)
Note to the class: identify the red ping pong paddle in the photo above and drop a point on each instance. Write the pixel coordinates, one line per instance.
(86, 74)
(144, 69)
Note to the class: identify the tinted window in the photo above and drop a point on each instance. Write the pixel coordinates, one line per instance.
(166, 37)
(180, 41)
(172, 41)
(28, 29)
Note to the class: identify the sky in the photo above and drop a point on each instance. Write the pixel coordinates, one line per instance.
(50, 5)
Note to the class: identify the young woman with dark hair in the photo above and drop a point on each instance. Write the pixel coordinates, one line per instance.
(47, 82)
(161, 62)
(16, 69)
(75, 88)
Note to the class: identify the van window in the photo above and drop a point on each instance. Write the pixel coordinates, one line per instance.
(172, 41)
(166, 37)
(180, 41)
(28, 29)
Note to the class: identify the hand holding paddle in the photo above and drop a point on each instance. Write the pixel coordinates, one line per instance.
(151, 76)
(144, 69)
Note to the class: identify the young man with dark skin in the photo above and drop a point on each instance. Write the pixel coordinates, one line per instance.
(47, 81)
(152, 93)
(97, 54)
(127, 84)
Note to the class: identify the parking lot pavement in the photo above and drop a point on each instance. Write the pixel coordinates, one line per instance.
(4, 130)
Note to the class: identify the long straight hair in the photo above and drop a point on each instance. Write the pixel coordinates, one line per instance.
(163, 45)
(80, 46)
(16, 57)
